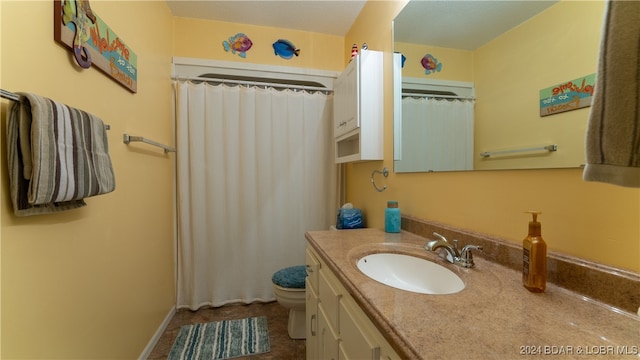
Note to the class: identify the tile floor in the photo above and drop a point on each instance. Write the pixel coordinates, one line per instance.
(282, 346)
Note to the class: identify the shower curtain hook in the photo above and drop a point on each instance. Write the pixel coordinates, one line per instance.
(385, 173)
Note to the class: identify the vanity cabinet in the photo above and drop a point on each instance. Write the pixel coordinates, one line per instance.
(358, 109)
(311, 306)
(336, 326)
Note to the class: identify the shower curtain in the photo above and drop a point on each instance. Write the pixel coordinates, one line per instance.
(437, 134)
(255, 171)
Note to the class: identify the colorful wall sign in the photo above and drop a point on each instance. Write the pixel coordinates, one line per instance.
(571, 95)
(92, 42)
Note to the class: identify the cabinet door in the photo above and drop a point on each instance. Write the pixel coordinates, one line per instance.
(329, 295)
(328, 340)
(356, 332)
(358, 109)
(311, 311)
(387, 353)
(346, 100)
(342, 354)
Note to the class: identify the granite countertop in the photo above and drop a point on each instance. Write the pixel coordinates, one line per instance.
(493, 317)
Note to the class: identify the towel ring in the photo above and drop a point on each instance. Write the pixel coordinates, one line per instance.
(385, 173)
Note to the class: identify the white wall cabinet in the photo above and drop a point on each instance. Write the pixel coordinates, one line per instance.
(358, 109)
(336, 326)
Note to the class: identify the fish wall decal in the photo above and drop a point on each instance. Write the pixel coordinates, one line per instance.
(239, 43)
(285, 49)
(430, 64)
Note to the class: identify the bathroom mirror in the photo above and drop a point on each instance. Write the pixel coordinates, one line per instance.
(524, 70)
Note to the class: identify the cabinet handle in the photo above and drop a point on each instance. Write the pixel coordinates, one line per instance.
(313, 328)
(309, 269)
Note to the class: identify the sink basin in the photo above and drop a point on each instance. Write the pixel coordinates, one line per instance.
(410, 273)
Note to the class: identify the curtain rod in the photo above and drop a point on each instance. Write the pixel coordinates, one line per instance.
(255, 83)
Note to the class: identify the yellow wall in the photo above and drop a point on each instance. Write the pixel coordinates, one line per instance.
(94, 282)
(511, 70)
(203, 39)
(594, 221)
(98, 281)
(457, 65)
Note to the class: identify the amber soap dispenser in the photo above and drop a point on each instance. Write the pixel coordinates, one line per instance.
(534, 257)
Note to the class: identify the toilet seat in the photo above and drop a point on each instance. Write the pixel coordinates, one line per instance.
(291, 277)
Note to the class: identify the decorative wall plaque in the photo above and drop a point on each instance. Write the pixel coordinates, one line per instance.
(92, 42)
(570, 95)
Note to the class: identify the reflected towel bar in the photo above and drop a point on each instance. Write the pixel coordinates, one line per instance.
(128, 138)
(549, 148)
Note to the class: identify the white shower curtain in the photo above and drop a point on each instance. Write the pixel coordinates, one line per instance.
(255, 171)
(437, 135)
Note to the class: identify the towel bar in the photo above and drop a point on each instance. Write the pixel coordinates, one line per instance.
(549, 148)
(126, 138)
(15, 97)
(9, 95)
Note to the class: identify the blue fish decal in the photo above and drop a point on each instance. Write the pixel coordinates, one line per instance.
(285, 49)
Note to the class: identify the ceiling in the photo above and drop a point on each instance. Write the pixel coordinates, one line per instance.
(319, 16)
(461, 24)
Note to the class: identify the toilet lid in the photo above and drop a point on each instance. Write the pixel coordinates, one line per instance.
(291, 277)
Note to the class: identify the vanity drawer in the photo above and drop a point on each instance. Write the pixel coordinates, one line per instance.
(313, 268)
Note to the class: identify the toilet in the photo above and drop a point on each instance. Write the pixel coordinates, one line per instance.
(289, 288)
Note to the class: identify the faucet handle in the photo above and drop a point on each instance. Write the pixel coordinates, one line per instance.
(440, 236)
(471, 247)
(466, 256)
(455, 242)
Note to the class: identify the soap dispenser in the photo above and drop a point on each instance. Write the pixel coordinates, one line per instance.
(392, 220)
(534, 257)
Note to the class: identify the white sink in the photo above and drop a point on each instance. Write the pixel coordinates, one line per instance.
(410, 273)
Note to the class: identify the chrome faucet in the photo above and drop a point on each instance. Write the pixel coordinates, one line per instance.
(462, 258)
(442, 243)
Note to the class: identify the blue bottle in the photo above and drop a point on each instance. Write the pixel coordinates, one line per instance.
(392, 217)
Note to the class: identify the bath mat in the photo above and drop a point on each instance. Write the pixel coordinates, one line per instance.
(221, 339)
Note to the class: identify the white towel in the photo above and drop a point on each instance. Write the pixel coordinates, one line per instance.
(613, 133)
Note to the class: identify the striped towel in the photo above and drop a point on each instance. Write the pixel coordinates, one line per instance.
(613, 133)
(57, 156)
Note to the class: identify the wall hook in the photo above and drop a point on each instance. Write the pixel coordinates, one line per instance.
(385, 173)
